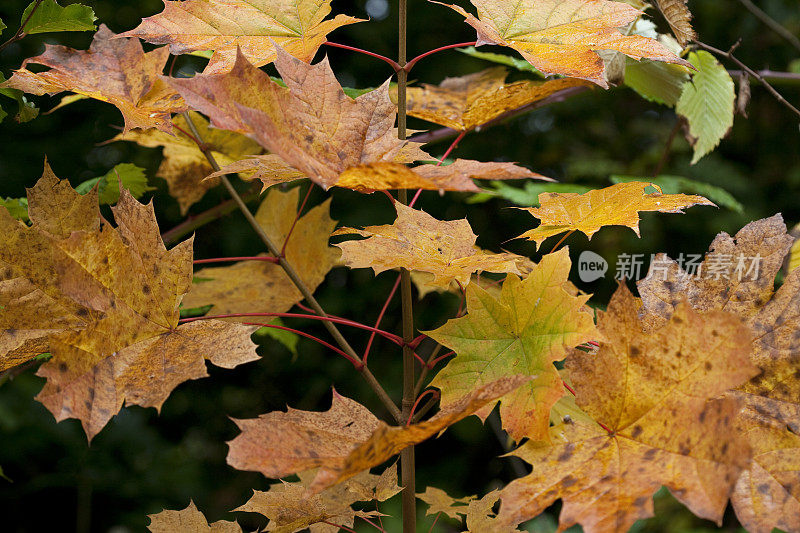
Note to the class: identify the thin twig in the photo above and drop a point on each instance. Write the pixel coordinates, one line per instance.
(773, 24)
(266, 258)
(667, 147)
(21, 31)
(408, 66)
(416, 415)
(773, 76)
(380, 318)
(385, 59)
(296, 218)
(761, 80)
(426, 368)
(201, 219)
(297, 280)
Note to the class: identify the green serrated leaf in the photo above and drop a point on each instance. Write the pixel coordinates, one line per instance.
(528, 196)
(133, 178)
(18, 207)
(50, 16)
(26, 110)
(655, 81)
(287, 338)
(679, 184)
(707, 103)
(502, 59)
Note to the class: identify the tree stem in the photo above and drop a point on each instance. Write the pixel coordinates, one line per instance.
(409, 498)
(296, 279)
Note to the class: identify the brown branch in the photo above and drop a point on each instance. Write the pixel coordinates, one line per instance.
(753, 73)
(772, 76)
(21, 31)
(296, 279)
(770, 22)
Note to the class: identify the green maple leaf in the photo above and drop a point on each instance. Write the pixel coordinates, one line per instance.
(523, 330)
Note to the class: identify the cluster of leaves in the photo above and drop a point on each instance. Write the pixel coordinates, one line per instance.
(693, 386)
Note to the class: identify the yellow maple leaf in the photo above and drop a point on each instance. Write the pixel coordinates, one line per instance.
(417, 241)
(254, 26)
(562, 36)
(189, 520)
(738, 276)
(256, 286)
(468, 101)
(113, 70)
(110, 301)
(657, 396)
(184, 166)
(617, 205)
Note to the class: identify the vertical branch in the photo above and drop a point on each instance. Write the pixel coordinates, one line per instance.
(409, 499)
(296, 279)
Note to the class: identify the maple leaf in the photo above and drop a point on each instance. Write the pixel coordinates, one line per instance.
(116, 71)
(189, 520)
(440, 502)
(468, 101)
(481, 517)
(32, 304)
(184, 167)
(617, 205)
(254, 27)
(524, 330)
(261, 286)
(417, 241)
(772, 409)
(110, 299)
(290, 507)
(657, 393)
(314, 127)
(562, 36)
(344, 440)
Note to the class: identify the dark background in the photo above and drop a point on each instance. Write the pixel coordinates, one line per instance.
(142, 462)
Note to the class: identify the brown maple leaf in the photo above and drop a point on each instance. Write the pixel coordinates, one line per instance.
(255, 27)
(344, 440)
(419, 242)
(468, 101)
(314, 127)
(116, 71)
(617, 205)
(184, 167)
(658, 396)
(562, 36)
(110, 297)
(256, 286)
(738, 276)
(290, 507)
(440, 502)
(188, 520)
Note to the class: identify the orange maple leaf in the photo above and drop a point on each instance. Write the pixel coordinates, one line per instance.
(256, 27)
(116, 71)
(317, 129)
(657, 396)
(563, 36)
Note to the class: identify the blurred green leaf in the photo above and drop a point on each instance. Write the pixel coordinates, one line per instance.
(26, 110)
(707, 103)
(287, 338)
(18, 207)
(655, 81)
(527, 196)
(502, 59)
(2, 475)
(679, 184)
(50, 16)
(133, 178)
